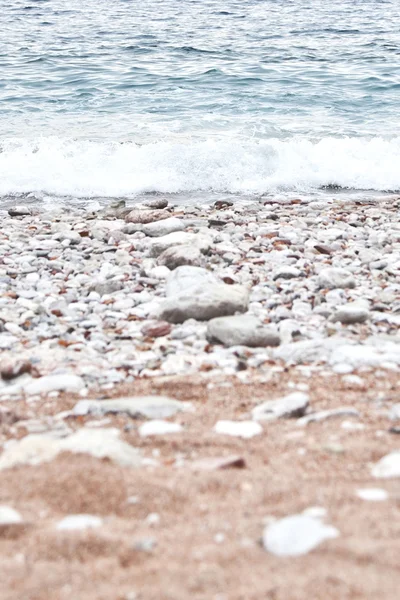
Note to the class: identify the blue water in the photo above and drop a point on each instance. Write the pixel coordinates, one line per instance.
(199, 97)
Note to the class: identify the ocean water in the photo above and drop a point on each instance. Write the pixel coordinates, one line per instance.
(199, 98)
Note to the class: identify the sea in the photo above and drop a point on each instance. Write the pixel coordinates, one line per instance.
(198, 99)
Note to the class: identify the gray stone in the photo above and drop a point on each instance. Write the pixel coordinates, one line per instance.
(157, 203)
(394, 413)
(335, 413)
(176, 256)
(242, 330)
(19, 211)
(164, 227)
(350, 314)
(331, 278)
(291, 406)
(150, 407)
(286, 272)
(107, 287)
(205, 303)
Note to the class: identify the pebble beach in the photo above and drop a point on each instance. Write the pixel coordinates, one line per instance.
(192, 393)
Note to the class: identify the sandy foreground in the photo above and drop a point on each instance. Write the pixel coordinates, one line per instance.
(89, 311)
(205, 540)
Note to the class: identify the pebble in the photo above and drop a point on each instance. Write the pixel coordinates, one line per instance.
(331, 278)
(350, 314)
(296, 535)
(323, 415)
(205, 303)
(292, 406)
(51, 383)
(388, 466)
(149, 407)
(372, 494)
(100, 443)
(242, 330)
(243, 429)
(159, 427)
(79, 522)
(9, 516)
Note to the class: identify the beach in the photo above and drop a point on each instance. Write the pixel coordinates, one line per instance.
(186, 376)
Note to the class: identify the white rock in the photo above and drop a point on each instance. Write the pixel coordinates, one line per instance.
(331, 278)
(296, 535)
(150, 407)
(373, 494)
(388, 466)
(243, 429)
(100, 443)
(293, 405)
(176, 256)
(182, 279)
(51, 383)
(74, 522)
(159, 427)
(178, 238)
(9, 516)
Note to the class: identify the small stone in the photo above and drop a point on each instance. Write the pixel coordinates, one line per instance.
(79, 522)
(100, 443)
(286, 272)
(329, 414)
(182, 279)
(394, 413)
(296, 535)
(163, 227)
(177, 256)
(204, 303)
(51, 383)
(9, 516)
(243, 429)
(159, 427)
(157, 203)
(372, 494)
(19, 211)
(145, 545)
(388, 466)
(143, 217)
(150, 407)
(15, 369)
(107, 287)
(179, 238)
(332, 278)
(350, 314)
(218, 462)
(242, 330)
(291, 406)
(156, 329)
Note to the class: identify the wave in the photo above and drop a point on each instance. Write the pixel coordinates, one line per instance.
(82, 169)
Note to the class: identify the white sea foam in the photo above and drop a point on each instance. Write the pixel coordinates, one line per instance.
(88, 169)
